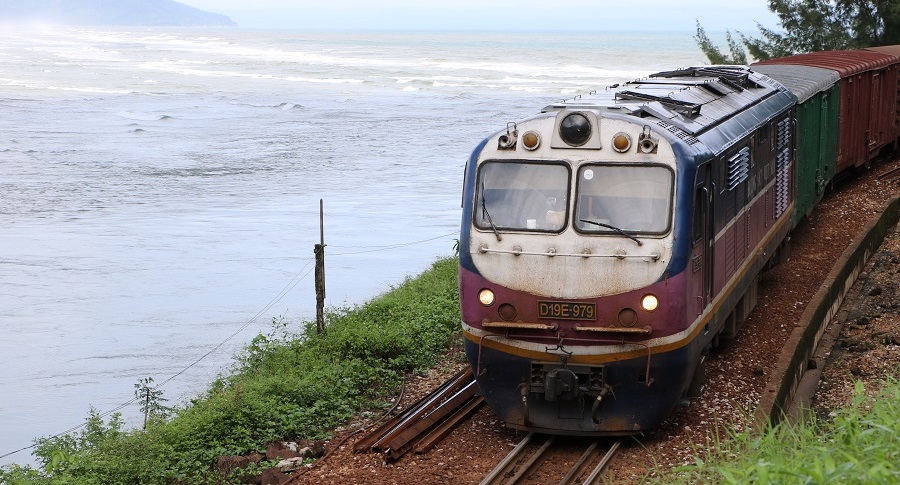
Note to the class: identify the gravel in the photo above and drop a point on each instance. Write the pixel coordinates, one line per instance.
(868, 349)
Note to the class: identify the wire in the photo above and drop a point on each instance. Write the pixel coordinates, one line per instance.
(73, 428)
(287, 289)
(284, 291)
(389, 247)
(281, 294)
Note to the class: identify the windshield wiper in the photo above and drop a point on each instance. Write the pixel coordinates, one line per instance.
(488, 214)
(614, 228)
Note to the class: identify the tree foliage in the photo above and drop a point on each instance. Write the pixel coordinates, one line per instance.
(715, 56)
(151, 399)
(813, 25)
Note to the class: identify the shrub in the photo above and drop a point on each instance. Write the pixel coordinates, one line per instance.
(285, 385)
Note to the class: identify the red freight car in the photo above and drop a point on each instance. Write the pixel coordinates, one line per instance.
(868, 88)
(893, 50)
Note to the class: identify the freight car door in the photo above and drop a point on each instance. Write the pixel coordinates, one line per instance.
(875, 134)
(701, 235)
(822, 172)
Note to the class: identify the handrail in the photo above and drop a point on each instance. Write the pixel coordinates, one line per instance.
(655, 256)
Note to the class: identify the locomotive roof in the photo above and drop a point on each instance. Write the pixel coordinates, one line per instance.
(804, 81)
(693, 99)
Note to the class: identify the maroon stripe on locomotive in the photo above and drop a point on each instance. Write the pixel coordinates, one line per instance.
(868, 90)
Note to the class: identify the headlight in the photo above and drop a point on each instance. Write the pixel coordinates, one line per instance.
(575, 129)
(486, 297)
(649, 302)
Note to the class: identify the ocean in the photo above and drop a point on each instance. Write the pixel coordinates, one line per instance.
(160, 188)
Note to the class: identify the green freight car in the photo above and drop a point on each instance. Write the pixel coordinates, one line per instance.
(816, 90)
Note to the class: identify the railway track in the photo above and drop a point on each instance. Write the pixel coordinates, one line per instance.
(422, 425)
(526, 459)
(892, 175)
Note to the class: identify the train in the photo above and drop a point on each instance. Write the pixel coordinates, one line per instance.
(609, 242)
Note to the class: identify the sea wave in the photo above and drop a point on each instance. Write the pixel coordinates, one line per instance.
(142, 116)
(90, 89)
(174, 69)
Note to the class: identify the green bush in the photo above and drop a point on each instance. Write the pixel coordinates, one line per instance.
(285, 385)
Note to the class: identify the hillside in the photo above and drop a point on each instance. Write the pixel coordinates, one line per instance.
(108, 12)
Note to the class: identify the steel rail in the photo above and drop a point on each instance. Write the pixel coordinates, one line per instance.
(422, 425)
(600, 466)
(587, 455)
(401, 421)
(532, 461)
(507, 462)
(890, 175)
(396, 445)
(447, 425)
(515, 468)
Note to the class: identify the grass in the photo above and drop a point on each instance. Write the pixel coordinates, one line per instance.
(858, 445)
(289, 384)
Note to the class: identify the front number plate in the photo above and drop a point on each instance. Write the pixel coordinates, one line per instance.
(567, 310)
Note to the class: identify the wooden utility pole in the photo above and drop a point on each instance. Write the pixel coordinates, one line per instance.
(146, 405)
(319, 251)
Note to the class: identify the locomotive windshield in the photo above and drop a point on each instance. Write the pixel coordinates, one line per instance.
(624, 199)
(522, 196)
(633, 198)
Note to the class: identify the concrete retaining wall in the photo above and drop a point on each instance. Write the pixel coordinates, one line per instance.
(803, 341)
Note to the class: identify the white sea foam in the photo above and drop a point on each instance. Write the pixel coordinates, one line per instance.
(141, 116)
(176, 69)
(89, 90)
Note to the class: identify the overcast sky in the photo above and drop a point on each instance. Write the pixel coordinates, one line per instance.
(522, 15)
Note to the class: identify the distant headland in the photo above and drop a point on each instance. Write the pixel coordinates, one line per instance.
(105, 12)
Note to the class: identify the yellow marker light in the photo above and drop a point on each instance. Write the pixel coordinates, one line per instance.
(486, 297)
(649, 302)
(531, 140)
(621, 142)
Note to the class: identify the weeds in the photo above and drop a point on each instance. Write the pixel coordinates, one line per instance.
(287, 384)
(860, 445)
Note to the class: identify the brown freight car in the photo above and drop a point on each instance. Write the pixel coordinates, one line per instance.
(893, 50)
(868, 91)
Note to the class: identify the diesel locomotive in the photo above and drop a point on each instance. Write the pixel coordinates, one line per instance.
(610, 241)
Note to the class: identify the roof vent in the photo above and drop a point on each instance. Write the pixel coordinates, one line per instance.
(684, 108)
